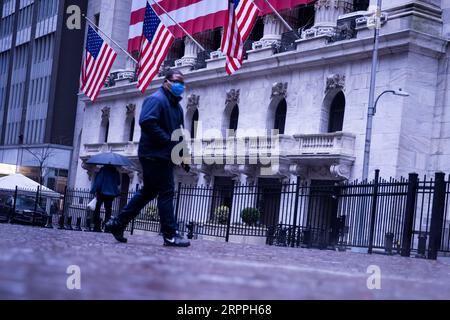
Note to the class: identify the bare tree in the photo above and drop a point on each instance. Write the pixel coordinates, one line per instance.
(42, 155)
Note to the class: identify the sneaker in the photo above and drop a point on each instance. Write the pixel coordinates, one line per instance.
(116, 229)
(176, 241)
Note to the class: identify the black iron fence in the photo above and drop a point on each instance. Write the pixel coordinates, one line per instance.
(405, 216)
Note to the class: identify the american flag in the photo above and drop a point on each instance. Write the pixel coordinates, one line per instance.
(193, 15)
(97, 64)
(242, 16)
(156, 42)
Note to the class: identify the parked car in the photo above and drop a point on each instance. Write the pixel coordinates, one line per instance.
(25, 211)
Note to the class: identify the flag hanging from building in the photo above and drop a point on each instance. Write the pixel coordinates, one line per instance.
(242, 17)
(156, 42)
(136, 25)
(99, 58)
(193, 15)
(279, 4)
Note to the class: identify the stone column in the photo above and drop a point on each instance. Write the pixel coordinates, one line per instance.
(326, 16)
(273, 29)
(190, 54)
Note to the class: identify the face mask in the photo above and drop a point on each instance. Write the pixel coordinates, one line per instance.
(177, 89)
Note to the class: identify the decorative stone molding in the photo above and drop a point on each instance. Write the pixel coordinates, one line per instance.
(341, 171)
(335, 81)
(273, 29)
(131, 110)
(216, 54)
(279, 89)
(106, 113)
(193, 102)
(190, 54)
(233, 97)
(233, 171)
(320, 172)
(327, 13)
(298, 170)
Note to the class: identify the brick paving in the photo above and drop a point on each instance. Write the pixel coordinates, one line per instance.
(33, 264)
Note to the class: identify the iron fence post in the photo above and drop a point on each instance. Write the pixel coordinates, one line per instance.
(373, 210)
(64, 202)
(437, 215)
(413, 182)
(132, 221)
(177, 206)
(33, 217)
(297, 195)
(227, 236)
(11, 218)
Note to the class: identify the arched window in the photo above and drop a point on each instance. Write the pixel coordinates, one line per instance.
(234, 119)
(194, 121)
(337, 111)
(131, 129)
(280, 117)
(106, 131)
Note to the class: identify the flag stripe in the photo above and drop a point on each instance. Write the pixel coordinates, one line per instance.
(279, 5)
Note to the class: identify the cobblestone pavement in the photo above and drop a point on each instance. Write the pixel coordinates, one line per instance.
(34, 262)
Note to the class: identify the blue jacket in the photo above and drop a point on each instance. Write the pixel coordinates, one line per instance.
(107, 182)
(161, 115)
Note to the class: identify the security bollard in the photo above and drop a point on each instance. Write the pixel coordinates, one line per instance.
(69, 223)
(389, 242)
(49, 224)
(61, 223)
(88, 225)
(78, 226)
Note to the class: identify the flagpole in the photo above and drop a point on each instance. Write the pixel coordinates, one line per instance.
(126, 52)
(281, 18)
(184, 30)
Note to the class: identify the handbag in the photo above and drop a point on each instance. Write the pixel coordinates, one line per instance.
(91, 205)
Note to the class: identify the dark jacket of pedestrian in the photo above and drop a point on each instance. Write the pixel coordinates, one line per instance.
(161, 115)
(107, 182)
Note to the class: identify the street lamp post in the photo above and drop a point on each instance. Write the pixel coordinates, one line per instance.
(372, 112)
(372, 92)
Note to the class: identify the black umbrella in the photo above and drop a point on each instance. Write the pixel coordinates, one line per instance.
(110, 158)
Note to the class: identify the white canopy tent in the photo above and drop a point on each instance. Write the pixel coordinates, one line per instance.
(23, 183)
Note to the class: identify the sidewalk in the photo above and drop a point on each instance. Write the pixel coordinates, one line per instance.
(34, 261)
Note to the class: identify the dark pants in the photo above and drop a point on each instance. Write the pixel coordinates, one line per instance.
(108, 201)
(158, 182)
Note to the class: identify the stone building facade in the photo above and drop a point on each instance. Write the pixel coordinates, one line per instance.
(314, 90)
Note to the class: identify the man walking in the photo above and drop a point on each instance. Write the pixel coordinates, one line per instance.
(161, 115)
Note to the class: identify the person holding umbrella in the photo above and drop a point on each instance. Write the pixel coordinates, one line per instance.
(106, 188)
(160, 117)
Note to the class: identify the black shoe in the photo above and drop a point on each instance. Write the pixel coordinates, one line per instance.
(176, 241)
(117, 229)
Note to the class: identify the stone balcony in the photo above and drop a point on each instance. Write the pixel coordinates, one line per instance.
(298, 148)
(336, 151)
(128, 149)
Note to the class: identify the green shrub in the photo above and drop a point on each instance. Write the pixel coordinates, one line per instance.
(151, 213)
(221, 214)
(250, 216)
